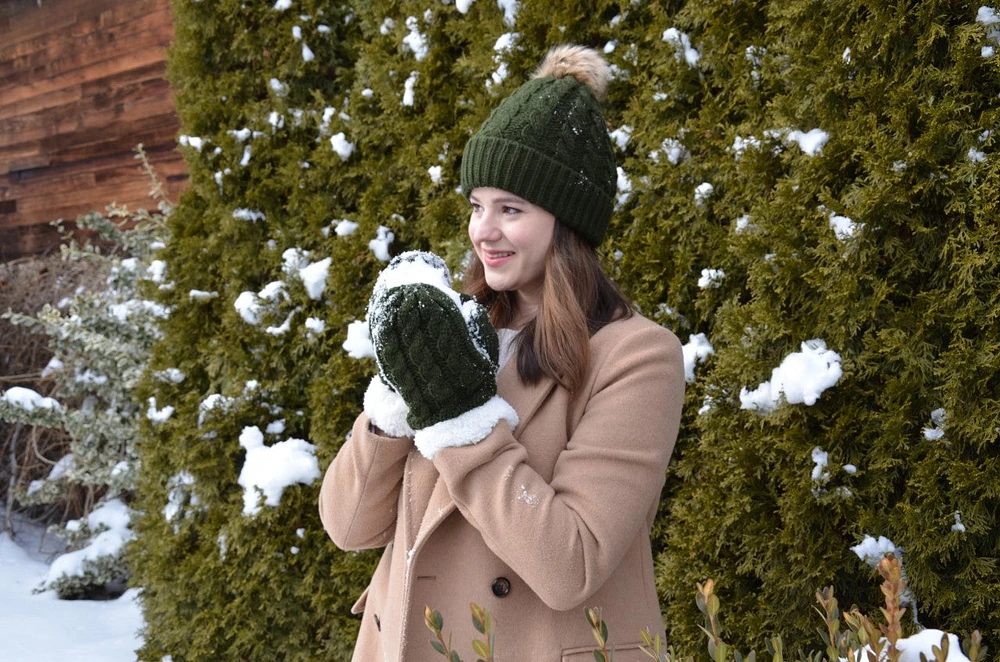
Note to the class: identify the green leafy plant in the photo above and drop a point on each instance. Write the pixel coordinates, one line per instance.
(600, 630)
(863, 641)
(481, 620)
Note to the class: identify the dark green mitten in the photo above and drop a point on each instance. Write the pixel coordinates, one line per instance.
(439, 351)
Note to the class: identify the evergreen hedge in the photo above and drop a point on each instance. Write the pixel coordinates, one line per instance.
(904, 289)
(712, 108)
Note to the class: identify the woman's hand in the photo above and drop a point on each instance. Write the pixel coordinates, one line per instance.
(440, 358)
(438, 351)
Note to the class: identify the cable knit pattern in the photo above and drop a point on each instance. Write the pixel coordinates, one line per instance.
(441, 362)
(548, 143)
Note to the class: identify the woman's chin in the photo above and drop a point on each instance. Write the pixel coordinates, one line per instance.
(497, 284)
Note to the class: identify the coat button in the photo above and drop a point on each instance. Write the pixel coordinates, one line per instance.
(378, 623)
(501, 587)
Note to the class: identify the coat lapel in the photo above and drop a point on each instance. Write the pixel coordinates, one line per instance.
(419, 483)
(525, 399)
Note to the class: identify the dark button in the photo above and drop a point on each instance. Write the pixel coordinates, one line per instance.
(501, 587)
(378, 623)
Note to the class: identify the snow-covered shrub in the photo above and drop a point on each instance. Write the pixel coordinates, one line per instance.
(100, 339)
(269, 262)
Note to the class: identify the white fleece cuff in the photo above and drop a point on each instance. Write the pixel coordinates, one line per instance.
(387, 409)
(466, 429)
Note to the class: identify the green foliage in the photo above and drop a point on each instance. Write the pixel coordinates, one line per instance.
(481, 620)
(908, 300)
(600, 630)
(863, 640)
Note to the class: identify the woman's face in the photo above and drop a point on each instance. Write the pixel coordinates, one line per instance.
(511, 237)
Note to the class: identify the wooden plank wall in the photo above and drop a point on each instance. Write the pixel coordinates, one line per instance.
(82, 82)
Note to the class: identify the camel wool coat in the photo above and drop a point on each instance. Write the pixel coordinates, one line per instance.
(534, 524)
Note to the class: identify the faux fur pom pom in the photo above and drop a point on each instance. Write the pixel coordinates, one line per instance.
(582, 63)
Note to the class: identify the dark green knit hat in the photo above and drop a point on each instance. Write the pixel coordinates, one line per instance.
(548, 143)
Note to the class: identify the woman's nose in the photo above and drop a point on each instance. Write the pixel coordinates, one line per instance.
(484, 228)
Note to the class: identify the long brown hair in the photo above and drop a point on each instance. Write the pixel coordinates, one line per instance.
(578, 299)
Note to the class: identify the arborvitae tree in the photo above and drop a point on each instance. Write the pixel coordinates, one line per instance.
(322, 139)
(100, 341)
(850, 148)
(261, 89)
(299, 167)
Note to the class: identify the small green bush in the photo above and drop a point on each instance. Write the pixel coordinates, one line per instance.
(100, 339)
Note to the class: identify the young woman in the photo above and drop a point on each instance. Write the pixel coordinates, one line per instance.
(519, 471)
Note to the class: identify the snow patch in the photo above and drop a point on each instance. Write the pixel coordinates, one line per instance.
(415, 40)
(113, 517)
(271, 469)
(711, 278)
(314, 278)
(871, 550)
(958, 527)
(923, 642)
(843, 227)
(673, 149)
(252, 215)
(624, 186)
(741, 144)
(621, 136)
(314, 326)
(28, 400)
(380, 244)
(359, 342)
(503, 45)
(345, 228)
(158, 416)
(697, 350)
(702, 193)
(938, 418)
(810, 142)
(408, 86)
(509, 9)
(801, 379)
(342, 146)
(682, 46)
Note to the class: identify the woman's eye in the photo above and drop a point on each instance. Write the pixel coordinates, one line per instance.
(511, 210)
(476, 209)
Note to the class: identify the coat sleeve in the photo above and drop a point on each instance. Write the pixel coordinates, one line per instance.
(564, 538)
(357, 501)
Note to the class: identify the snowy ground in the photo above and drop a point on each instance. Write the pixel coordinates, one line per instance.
(42, 628)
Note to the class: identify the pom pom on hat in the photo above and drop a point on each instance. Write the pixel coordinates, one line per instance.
(579, 62)
(548, 143)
